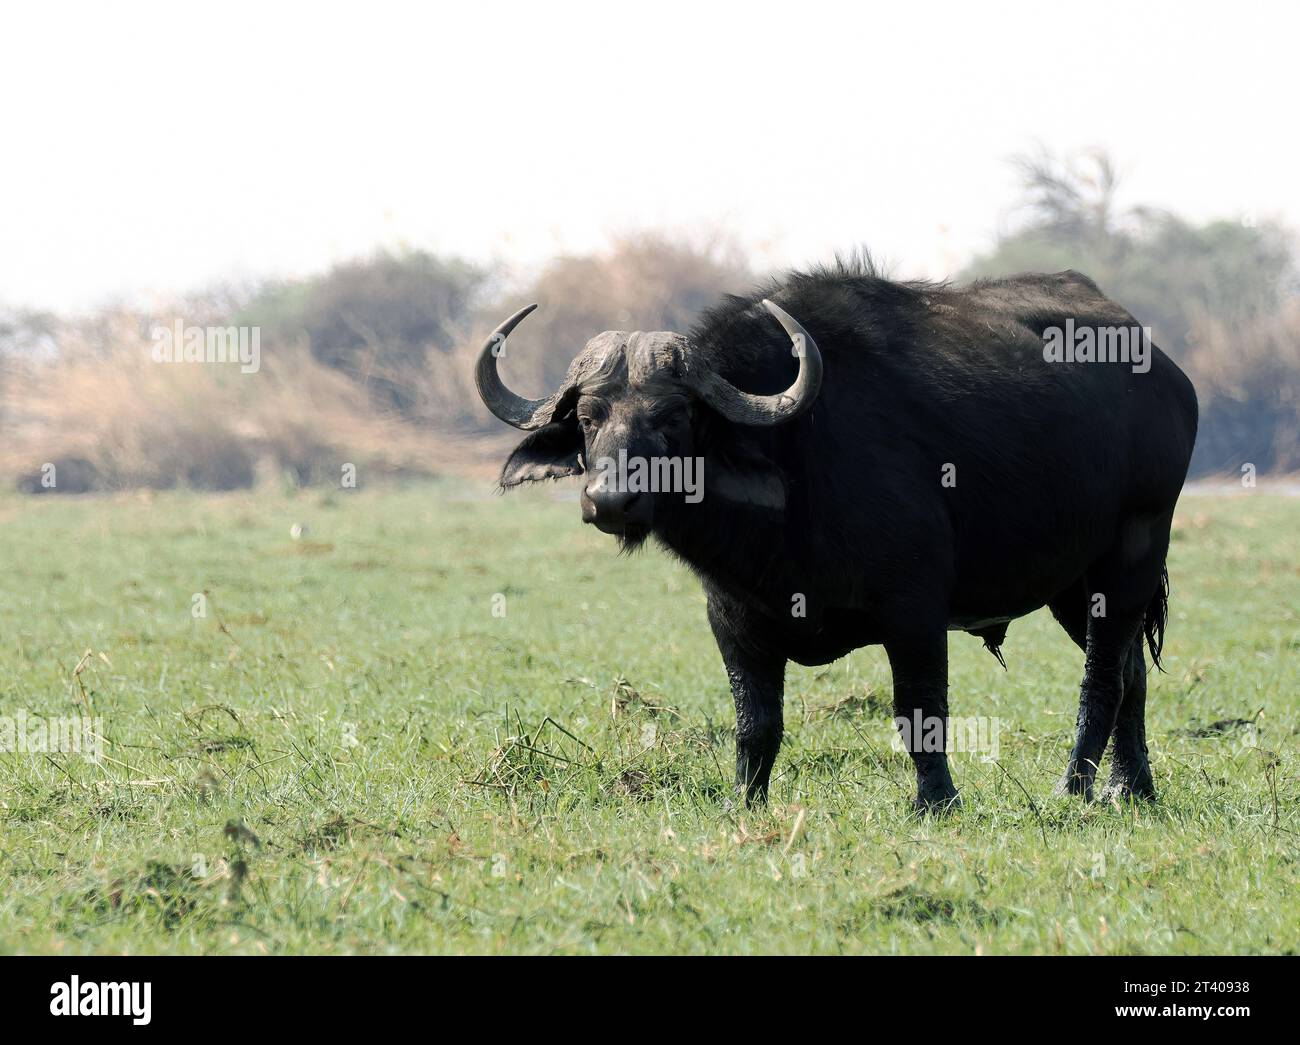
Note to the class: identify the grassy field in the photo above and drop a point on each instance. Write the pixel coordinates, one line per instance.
(439, 721)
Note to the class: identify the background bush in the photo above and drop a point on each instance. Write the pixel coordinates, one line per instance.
(371, 363)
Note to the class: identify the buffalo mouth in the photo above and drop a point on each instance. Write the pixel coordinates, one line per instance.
(627, 517)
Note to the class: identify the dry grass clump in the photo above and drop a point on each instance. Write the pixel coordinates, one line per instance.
(107, 416)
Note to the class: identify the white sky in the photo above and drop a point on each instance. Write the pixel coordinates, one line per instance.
(158, 148)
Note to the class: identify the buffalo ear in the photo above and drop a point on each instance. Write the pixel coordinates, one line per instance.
(746, 478)
(553, 451)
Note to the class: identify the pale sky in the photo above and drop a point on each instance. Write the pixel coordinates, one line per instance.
(154, 149)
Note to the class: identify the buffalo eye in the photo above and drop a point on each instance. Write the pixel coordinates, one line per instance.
(588, 425)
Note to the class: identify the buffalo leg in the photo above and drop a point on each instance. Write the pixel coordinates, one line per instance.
(1120, 588)
(1130, 768)
(1109, 640)
(758, 688)
(920, 670)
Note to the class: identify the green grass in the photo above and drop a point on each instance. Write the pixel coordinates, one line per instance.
(352, 753)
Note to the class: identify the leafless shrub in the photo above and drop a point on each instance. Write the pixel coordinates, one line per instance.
(643, 282)
(107, 416)
(1245, 376)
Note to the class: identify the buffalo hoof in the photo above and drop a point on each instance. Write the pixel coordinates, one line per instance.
(936, 803)
(1076, 783)
(1129, 788)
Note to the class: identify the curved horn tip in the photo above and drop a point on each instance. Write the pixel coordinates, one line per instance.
(786, 320)
(515, 320)
(513, 409)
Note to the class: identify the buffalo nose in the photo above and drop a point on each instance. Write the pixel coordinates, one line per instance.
(611, 510)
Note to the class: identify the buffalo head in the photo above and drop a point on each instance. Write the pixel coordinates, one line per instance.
(631, 397)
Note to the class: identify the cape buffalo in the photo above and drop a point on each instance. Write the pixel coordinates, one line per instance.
(925, 459)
